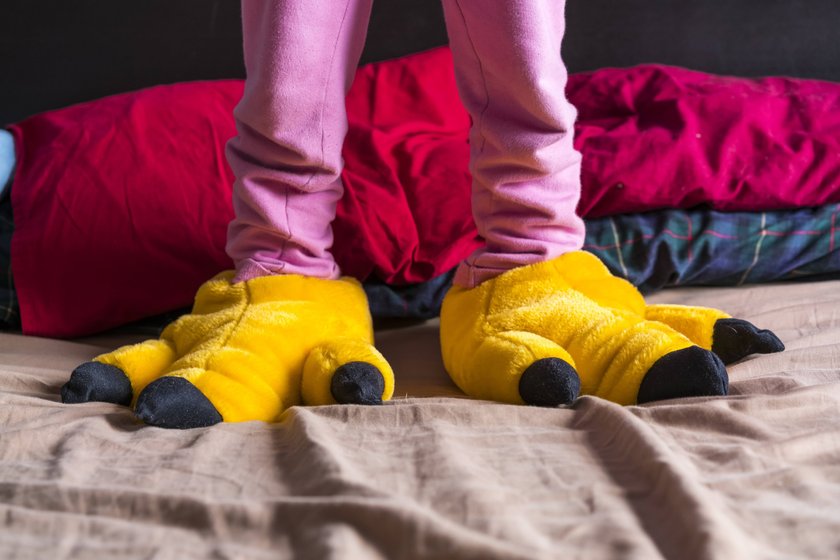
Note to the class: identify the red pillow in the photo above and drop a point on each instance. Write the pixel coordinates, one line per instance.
(663, 137)
(121, 205)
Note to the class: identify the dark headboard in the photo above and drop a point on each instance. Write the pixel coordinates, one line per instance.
(57, 52)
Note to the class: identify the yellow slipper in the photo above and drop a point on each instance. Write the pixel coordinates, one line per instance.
(248, 351)
(545, 333)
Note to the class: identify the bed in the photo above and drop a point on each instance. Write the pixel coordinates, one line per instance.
(433, 474)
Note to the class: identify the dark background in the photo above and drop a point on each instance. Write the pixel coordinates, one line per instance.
(57, 52)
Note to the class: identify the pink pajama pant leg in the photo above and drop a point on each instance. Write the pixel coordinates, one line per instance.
(291, 122)
(526, 172)
(300, 59)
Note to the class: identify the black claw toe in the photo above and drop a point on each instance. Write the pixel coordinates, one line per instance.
(734, 339)
(549, 382)
(95, 381)
(357, 383)
(690, 372)
(174, 402)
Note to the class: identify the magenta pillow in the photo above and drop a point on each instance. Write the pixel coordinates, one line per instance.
(121, 205)
(664, 137)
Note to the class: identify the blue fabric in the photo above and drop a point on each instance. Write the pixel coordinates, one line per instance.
(420, 301)
(704, 247)
(7, 161)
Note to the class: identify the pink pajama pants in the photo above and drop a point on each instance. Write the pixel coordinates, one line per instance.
(300, 59)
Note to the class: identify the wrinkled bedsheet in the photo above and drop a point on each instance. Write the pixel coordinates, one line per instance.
(435, 475)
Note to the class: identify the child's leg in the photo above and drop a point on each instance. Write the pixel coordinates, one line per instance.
(528, 333)
(273, 335)
(526, 172)
(300, 60)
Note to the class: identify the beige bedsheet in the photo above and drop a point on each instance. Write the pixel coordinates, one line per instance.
(435, 475)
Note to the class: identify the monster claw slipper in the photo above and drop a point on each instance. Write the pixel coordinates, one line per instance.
(538, 334)
(248, 351)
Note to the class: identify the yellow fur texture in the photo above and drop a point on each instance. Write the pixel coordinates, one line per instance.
(256, 348)
(570, 308)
